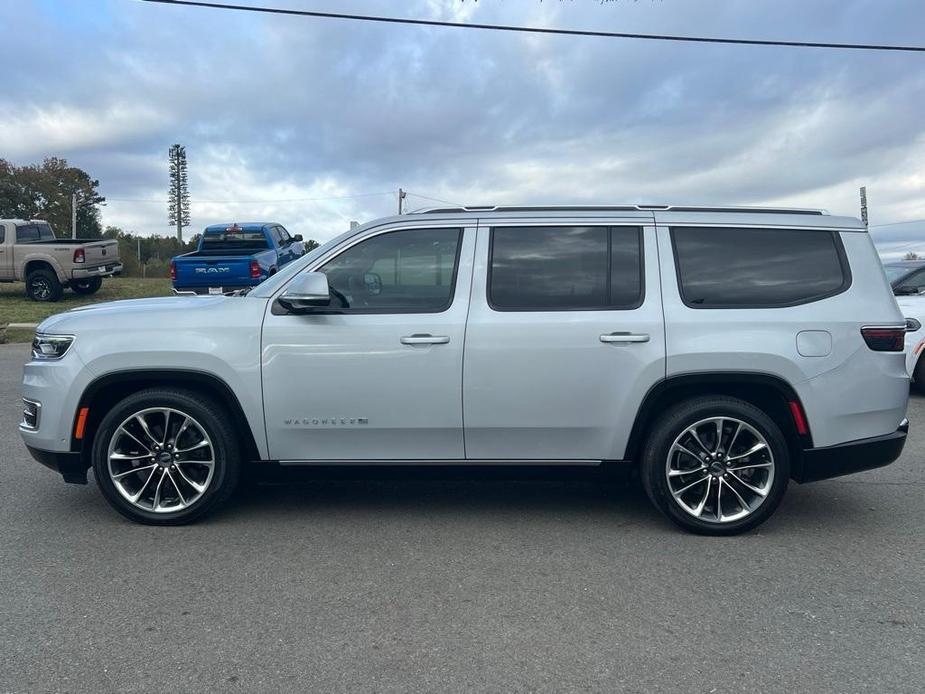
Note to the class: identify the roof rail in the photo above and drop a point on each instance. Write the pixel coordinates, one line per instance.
(617, 208)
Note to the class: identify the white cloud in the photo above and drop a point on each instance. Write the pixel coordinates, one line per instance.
(283, 108)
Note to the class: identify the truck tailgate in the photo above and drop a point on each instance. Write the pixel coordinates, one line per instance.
(215, 271)
(101, 252)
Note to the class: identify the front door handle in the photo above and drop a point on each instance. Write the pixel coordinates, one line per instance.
(425, 339)
(625, 337)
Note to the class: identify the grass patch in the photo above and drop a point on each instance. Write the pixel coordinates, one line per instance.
(16, 308)
(19, 335)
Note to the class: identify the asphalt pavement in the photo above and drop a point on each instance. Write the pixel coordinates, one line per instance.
(401, 583)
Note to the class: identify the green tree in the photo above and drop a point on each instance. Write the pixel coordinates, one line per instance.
(147, 256)
(43, 191)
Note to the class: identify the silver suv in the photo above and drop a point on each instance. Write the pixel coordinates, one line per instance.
(722, 352)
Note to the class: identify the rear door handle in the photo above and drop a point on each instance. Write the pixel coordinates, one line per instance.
(625, 337)
(425, 339)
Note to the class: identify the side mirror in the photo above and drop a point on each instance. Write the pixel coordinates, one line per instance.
(307, 292)
(297, 237)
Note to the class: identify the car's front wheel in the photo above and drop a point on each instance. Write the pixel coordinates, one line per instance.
(716, 465)
(166, 456)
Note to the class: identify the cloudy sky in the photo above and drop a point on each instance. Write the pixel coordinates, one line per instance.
(316, 122)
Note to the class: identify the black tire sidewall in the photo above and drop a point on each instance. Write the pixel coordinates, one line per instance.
(209, 415)
(673, 422)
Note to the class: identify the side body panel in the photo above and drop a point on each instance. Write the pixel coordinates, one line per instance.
(214, 335)
(848, 391)
(346, 387)
(541, 384)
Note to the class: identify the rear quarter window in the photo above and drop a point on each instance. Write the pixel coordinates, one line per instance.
(723, 267)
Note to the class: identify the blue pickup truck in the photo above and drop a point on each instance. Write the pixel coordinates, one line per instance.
(234, 256)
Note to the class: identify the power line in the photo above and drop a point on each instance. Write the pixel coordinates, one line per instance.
(425, 197)
(541, 30)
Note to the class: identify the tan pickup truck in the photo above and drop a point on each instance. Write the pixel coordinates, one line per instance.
(30, 253)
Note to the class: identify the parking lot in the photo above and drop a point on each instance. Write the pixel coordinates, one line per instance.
(455, 583)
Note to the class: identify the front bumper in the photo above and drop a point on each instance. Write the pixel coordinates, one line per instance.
(72, 466)
(822, 463)
(107, 270)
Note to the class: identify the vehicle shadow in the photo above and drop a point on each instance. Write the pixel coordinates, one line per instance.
(441, 490)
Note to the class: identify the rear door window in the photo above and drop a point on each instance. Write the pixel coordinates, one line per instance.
(565, 268)
(722, 267)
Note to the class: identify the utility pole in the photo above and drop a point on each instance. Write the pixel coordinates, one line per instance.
(73, 215)
(401, 198)
(864, 205)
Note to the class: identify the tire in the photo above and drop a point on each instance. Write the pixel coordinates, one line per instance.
(174, 487)
(43, 285)
(753, 484)
(88, 286)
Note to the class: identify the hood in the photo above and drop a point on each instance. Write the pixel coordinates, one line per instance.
(129, 312)
(912, 306)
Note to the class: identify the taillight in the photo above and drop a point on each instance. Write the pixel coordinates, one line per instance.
(255, 270)
(173, 270)
(79, 256)
(885, 339)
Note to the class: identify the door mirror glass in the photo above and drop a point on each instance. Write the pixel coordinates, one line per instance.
(307, 292)
(297, 237)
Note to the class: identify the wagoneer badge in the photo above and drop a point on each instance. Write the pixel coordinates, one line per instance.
(326, 421)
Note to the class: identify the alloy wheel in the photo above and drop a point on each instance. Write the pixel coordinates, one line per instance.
(41, 289)
(720, 469)
(161, 460)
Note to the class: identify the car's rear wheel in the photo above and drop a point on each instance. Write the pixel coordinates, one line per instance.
(43, 285)
(166, 457)
(91, 285)
(716, 465)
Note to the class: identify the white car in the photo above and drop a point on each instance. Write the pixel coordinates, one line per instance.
(907, 278)
(721, 351)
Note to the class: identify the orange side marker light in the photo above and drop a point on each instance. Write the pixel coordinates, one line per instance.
(81, 422)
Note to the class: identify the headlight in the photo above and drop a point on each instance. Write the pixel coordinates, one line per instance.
(48, 347)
